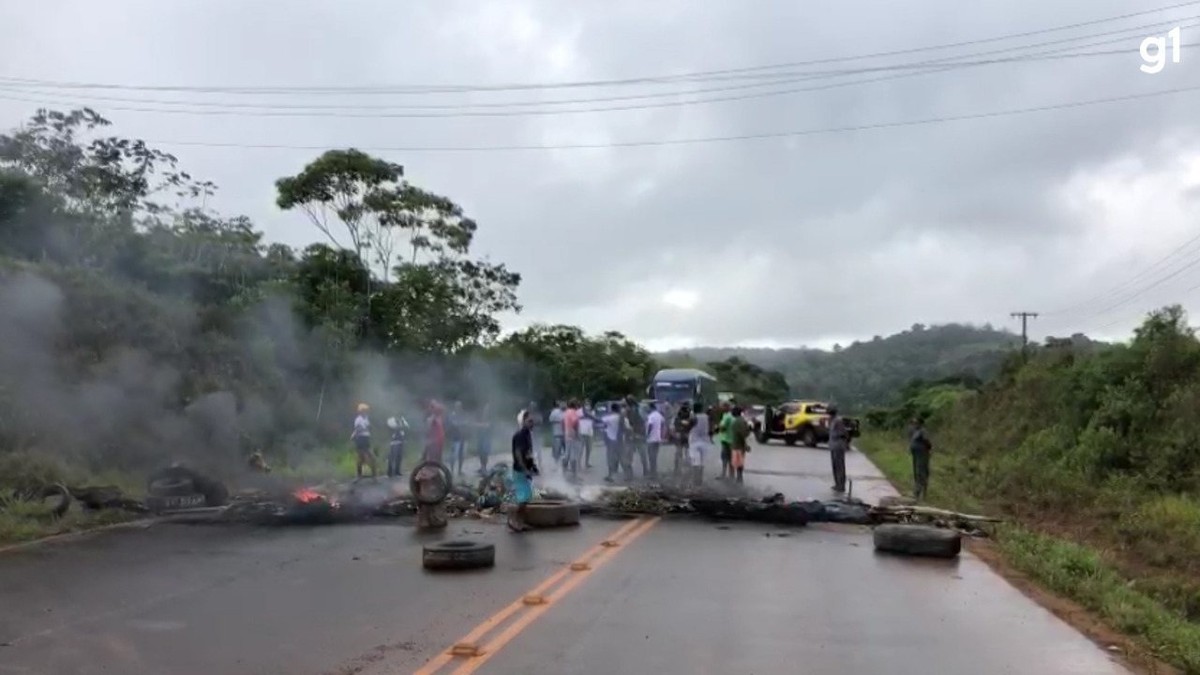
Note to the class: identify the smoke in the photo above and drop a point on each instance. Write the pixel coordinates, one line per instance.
(102, 374)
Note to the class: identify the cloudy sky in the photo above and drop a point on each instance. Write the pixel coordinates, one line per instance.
(819, 230)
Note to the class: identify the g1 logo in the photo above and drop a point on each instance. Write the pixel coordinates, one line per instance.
(1154, 51)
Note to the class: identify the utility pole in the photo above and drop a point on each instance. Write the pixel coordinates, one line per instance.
(1024, 317)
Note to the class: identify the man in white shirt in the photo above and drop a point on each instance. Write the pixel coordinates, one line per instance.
(586, 431)
(558, 445)
(656, 429)
(614, 427)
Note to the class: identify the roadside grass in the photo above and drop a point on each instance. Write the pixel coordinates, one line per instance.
(1159, 611)
(24, 521)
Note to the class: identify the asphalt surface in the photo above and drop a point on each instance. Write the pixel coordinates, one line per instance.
(675, 596)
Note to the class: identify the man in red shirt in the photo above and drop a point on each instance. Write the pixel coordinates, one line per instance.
(435, 432)
(571, 433)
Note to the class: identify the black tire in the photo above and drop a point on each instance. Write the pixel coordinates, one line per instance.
(440, 491)
(214, 491)
(60, 498)
(458, 555)
(551, 513)
(171, 487)
(790, 440)
(918, 540)
(808, 437)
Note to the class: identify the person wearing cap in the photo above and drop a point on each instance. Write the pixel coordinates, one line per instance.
(839, 443)
(361, 437)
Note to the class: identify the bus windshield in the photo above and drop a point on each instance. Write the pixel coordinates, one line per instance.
(674, 392)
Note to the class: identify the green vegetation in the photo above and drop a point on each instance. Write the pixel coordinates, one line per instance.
(142, 327)
(869, 374)
(1095, 453)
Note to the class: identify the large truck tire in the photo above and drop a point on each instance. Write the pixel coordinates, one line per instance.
(458, 555)
(551, 513)
(918, 540)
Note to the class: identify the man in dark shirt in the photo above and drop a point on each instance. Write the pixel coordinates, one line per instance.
(524, 469)
(681, 426)
(920, 446)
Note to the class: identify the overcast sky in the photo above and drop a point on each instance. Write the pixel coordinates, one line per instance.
(807, 239)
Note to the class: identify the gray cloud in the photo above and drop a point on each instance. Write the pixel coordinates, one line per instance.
(797, 240)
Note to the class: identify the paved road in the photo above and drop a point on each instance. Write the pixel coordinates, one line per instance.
(673, 597)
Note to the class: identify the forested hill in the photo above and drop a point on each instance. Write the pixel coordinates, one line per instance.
(872, 373)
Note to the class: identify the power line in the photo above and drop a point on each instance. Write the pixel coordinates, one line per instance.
(277, 110)
(659, 79)
(1130, 281)
(1143, 291)
(694, 140)
(248, 110)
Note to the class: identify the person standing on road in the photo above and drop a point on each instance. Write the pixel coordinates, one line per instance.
(524, 469)
(399, 427)
(921, 447)
(656, 429)
(635, 442)
(839, 444)
(725, 436)
(698, 441)
(574, 448)
(361, 437)
(587, 425)
(681, 427)
(456, 435)
(435, 432)
(558, 442)
(614, 425)
(739, 442)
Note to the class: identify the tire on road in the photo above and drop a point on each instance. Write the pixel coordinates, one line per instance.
(214, 491)
(440, 492)
(918, 540)
(458, 555)
(551, 513)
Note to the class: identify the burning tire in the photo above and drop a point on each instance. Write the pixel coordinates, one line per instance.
(551, 513)
(458, 555)
(918, 540)
(441, 485)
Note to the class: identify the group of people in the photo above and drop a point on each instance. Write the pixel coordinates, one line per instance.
(454, 429)
(626, 430)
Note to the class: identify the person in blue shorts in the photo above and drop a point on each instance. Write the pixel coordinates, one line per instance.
(523, 470)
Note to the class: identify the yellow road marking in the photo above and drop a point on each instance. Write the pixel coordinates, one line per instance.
(435, 664)
(507, 635)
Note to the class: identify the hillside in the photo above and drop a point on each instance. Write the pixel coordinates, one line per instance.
(867, 374)
(1098, 447)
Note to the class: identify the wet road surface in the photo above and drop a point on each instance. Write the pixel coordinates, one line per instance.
(674, 597)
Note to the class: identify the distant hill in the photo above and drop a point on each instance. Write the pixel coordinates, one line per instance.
(873, 373)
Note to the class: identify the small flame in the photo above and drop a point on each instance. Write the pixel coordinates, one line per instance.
(307, 495)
